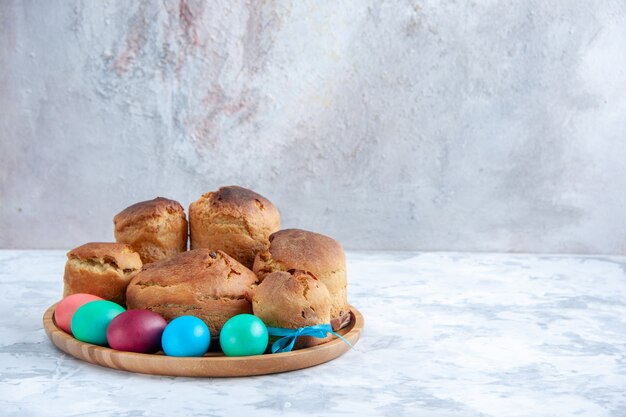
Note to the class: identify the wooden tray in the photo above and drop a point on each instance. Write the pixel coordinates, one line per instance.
(213, 364)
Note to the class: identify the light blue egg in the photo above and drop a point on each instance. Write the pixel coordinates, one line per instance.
(186, 336)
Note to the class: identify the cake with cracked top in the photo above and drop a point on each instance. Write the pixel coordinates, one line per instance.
(315, 253)
(203, 283)
(235, 220)
(101, 268)
(156, 229)
(291, 300)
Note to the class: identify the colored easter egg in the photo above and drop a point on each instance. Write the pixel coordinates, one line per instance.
(136, 331)
(244, 335)
(186, 336)
(90, 322)
(66, 308)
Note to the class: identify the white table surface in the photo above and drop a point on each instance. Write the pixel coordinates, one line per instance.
(445, 335)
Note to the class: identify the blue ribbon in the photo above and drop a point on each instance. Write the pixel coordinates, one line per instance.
(285, 343)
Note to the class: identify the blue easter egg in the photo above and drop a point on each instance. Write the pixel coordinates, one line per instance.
(186, 336)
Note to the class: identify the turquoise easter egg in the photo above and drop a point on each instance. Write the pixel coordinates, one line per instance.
(90, 322)
(244, 335)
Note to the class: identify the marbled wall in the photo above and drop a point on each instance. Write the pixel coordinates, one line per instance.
(480, 125)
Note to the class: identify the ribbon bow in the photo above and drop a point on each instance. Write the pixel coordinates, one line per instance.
(285, 343)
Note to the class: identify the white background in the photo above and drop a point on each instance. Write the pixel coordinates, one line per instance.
(424, 125)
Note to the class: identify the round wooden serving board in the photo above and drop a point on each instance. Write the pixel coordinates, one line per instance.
(213, 364)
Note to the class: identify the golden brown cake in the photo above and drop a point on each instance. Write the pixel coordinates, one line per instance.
(102, 269)
(203, 283)
(235, 220)
(156, 229)
(315, 253)
(292, 300)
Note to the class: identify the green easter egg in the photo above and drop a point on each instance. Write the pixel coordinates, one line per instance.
(244, 335)
(90, 322)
